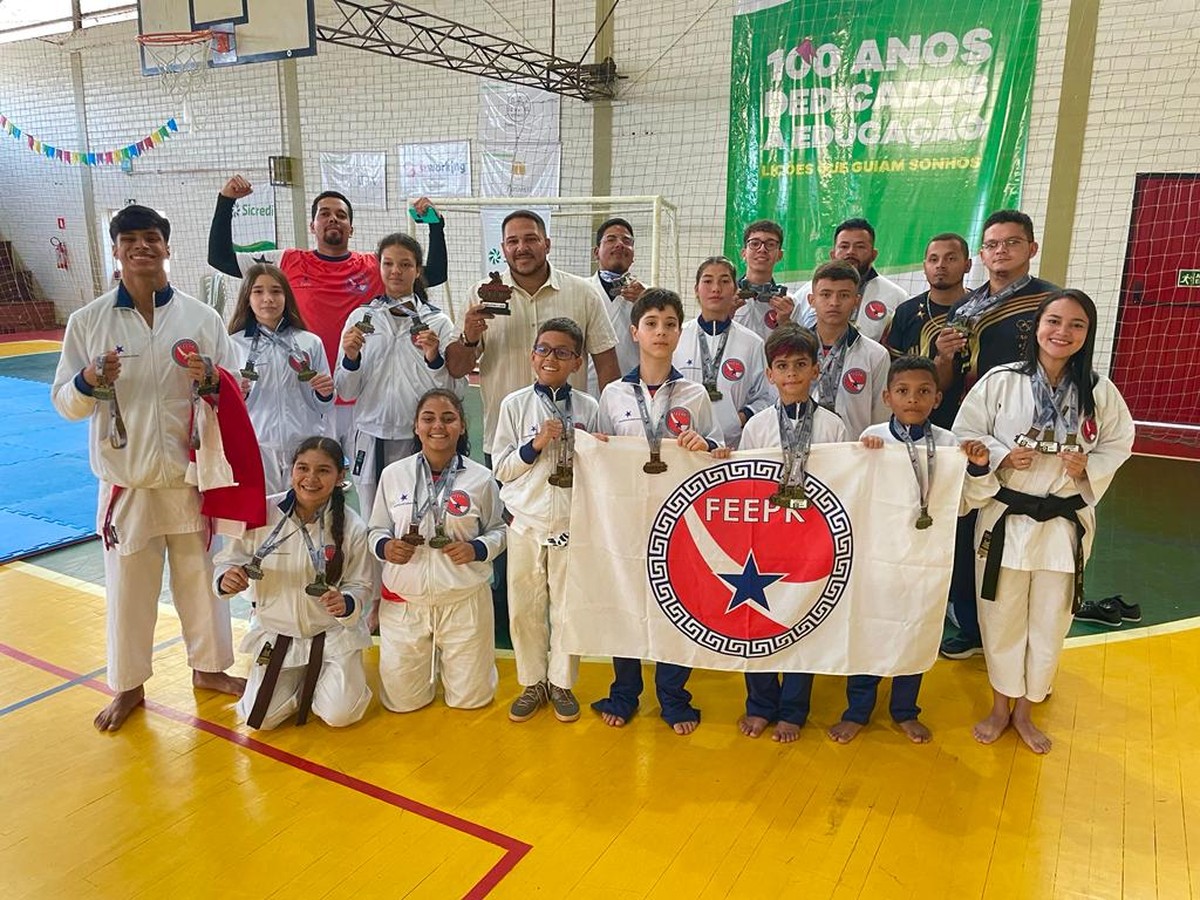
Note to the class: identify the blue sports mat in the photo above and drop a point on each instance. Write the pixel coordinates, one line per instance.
(47, 490)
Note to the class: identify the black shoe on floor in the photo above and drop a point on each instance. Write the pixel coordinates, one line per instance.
(1100, 612)
(1130, 612)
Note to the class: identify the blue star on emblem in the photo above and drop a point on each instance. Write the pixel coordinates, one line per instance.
(749, 585)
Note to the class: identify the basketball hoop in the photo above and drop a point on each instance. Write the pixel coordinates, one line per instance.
(181, 59)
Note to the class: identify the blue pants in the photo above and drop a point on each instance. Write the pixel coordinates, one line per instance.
(962, 579)
(860, 698)
(779, 698)
(670, 683)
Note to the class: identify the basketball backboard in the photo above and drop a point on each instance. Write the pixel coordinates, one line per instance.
(263, 30)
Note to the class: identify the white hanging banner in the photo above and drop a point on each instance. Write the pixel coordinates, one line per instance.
(520, 170)
(361, 176)
(435, 169)
(254, 222)
(490, 221)
(513, 113)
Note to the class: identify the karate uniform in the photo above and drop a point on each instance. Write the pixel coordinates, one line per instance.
(741, 372)
(281, 607)
(878, 299)
(784, 696)
(144, 498)
(437, 615)
(687, 407)
(859, 399)
(284, 409)
(386, 381)
(537, 534)
(1024, 626)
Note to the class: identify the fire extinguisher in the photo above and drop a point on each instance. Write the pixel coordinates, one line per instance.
(61, 259)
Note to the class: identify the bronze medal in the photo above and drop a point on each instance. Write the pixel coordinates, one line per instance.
(365, 326)
(253, 569)
(440, 539)
(413, 536)
(316, 588)
(563, 476)
(655, 465)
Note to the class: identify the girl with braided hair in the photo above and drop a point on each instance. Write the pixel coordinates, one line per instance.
(309, 574)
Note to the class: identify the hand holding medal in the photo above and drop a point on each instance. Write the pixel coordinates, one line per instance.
(399, 551)
(1074, 462)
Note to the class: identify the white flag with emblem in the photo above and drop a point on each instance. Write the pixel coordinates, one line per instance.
(696, 566)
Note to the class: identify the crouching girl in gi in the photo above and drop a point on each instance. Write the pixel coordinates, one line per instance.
(308, 571)
(1057, 433)
(285, 374)
(437, 525)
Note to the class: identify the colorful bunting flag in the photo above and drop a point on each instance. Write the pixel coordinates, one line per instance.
(115, 156)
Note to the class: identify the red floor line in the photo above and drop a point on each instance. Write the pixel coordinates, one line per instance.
(514, 849)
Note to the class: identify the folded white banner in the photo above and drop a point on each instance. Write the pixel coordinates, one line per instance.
(696, 567)
(520, 170)
(435, 169)
(514, 112)
(361, 176)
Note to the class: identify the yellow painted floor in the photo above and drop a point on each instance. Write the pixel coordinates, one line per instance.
(185, 803)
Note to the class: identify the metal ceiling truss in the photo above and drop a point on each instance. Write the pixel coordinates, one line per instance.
(405, 32)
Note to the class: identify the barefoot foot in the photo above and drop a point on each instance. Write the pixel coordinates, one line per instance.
(685, 727)
(785, 732)
(1034, 737)
(218, 681)
(844, 732)
(915, 731)
(114, 715)
(752, 726)
(989, 729)
(612, 720)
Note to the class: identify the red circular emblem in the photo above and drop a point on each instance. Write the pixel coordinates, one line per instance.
(458, 503)
(854, 381)
(182, 350)
(771, 318)
(733, 369)
(679, 420)
(330, 550)
(741, 576)
(1088, 429)
(299, 360)
(876, 310)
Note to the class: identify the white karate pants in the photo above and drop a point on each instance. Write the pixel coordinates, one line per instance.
(339, 699)
(537, 581)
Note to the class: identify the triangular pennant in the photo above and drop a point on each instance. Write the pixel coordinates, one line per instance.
(172, 125)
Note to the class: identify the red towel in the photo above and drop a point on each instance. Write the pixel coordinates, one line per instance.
(246, 501)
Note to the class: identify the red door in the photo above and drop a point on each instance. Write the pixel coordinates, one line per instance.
(1156, 358)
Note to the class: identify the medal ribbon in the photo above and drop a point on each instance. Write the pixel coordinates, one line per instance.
(710, 366)
(273, 541)
(924, 479)
(1056, 408)
(565, 416)
(398, 307)
(832, 361)
(654, 433)
(980, 301)
(316, 553)
(436, 494)
(795, 438)
(271, 337)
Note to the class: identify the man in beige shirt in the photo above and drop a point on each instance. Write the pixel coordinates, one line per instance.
(502, 344)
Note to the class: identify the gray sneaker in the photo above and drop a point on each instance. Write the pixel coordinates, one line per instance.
(531, 700)
(566, 707)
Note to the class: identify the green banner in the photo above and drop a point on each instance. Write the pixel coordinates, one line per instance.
(913, 115)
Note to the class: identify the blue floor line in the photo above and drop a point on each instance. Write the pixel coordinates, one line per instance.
(50, 692)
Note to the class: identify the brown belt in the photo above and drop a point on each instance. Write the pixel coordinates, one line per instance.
(266, 690)
(316, 656)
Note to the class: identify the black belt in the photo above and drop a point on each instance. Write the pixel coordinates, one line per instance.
(1040, 509)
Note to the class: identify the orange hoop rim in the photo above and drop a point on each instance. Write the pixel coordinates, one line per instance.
(168, 38)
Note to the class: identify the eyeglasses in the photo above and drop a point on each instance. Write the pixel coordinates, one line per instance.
(612, 239)
(1011, 243)
(756, 244)
(560, 353)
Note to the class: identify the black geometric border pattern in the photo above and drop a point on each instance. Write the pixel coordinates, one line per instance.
(674, 507)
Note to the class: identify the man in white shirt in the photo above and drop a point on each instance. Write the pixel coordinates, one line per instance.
(540, 291)
(854, 242)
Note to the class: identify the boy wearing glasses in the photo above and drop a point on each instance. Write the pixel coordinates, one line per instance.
(763, 303)
(533, 450)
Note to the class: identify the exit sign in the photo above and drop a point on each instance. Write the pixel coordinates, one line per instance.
(1188, 278)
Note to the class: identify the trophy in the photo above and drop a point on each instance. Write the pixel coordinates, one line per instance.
(1047, 444)
(364, 325)
(655, 465)
(440, 539)
(299, 361)
(761, 292)
(790, 496)
(1071, 445)
(413, 536)
(249, 372)
(495, 295)
(103, 390)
